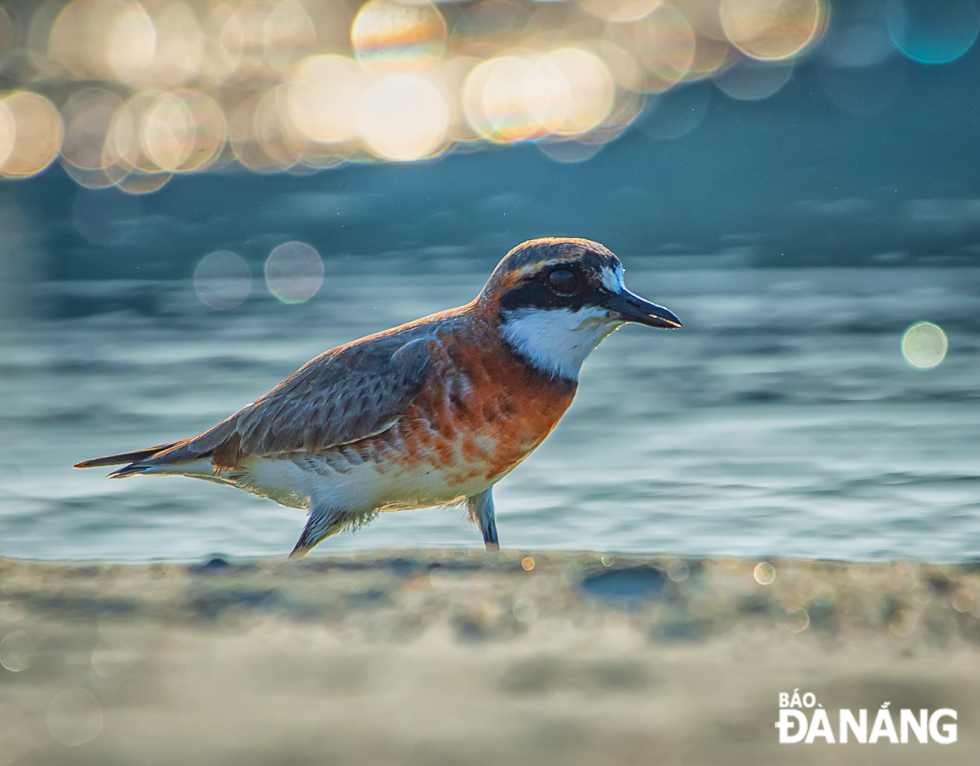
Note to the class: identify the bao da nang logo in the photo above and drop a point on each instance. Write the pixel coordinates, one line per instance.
(803, 720)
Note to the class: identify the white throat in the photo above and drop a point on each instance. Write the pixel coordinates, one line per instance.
(557, 341)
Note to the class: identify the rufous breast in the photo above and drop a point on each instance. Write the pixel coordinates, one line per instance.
(482, 411)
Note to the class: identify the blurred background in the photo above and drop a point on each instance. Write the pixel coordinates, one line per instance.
(198, 197)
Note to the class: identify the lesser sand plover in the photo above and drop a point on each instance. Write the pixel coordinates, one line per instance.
(433, 412)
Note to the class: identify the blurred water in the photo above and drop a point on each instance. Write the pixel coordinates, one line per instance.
(782, 419)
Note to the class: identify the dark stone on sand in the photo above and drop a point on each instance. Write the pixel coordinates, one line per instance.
(456, 566)
(940, 584)
(626, 584)
(681, 630)
(823, 617)
(755, 603)
(215, 564)
(211, 605)
(80, 605)
(469, 630)
(534, 675)
(372, 597)
(403, 567)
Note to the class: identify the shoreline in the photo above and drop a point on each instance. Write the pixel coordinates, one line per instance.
(435, 657)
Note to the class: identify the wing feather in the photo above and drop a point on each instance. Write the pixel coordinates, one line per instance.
(343, 396)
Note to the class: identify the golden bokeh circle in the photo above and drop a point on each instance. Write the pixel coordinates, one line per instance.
(210, 130)
(37, 134)
(8, 133)
(773, 30)
(87, 116)
(167, 133)
(390, 35)
(591, 89)
(322, 98)
(663, 43)
(403, 117)
(620, 11)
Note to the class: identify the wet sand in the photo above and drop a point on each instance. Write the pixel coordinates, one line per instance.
(439, 658)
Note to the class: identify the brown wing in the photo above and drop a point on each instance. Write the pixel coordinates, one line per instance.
(342, 396)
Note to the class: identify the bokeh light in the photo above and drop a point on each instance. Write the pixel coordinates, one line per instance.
(394, 35)
(124, 146)
(764, 573)
(8, 133)
(131, 93)
(179, 45)
(622, 11)
(857, 43)
(260, 139)
(569, 152)
(130, 40)
(294, 272)
(710, 57)
(323, 96)
(222, 280)
(773, 30)
(74, 717)
(105, 217)
(167, 132)
(663, 42)
(31, 133)
(513, 99)
(525, 611)
(924, 345)
(403, 117)
(17, 652)
(209, 130)
(103, 39)
(590, 89)
(88, 115)
(143, 183)
(797, 619)
(932, 32)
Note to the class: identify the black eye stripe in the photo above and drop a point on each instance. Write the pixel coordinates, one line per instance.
(535, 289)
(536, 292)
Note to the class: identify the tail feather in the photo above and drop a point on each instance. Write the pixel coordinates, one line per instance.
(129, 470)
(150, 460)
(124, 457)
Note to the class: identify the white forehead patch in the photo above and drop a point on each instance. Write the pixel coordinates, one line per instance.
(612, 279)
(557, 341)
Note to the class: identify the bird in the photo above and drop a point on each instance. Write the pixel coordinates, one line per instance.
(430, 413)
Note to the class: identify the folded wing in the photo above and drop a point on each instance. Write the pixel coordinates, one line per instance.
(343, 396)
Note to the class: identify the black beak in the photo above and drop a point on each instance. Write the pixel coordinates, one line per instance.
(632, 308)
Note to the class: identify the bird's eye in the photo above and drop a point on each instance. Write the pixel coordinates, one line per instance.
(563, 281)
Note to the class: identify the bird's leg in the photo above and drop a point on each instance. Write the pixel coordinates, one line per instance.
(323, 522)
(481, 513)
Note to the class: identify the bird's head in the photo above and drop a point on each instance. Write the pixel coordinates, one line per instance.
(556, 299)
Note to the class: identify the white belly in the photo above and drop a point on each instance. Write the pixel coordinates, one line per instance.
(365, 486)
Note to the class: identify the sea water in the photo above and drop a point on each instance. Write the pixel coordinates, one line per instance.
(783, 419)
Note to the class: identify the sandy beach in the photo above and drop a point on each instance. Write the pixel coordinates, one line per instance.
(442, 658)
